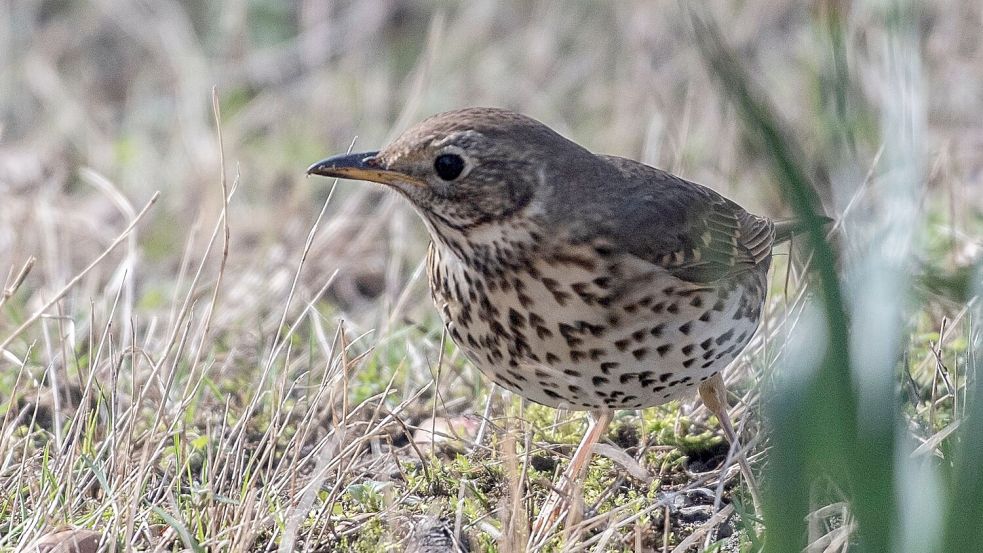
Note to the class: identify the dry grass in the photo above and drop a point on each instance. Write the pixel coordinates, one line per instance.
(251, 362)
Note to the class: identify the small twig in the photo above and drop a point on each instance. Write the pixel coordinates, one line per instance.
(226, 233)
(18, 280)
(75, 280)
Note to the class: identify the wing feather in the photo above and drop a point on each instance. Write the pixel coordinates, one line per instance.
(688, 229)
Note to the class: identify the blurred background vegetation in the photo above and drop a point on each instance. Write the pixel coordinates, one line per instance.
(175, 397)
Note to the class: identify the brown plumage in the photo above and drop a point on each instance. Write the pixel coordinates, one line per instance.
(576, 280)
(572, 279)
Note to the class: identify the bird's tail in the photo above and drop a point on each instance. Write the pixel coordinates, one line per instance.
(786, 229)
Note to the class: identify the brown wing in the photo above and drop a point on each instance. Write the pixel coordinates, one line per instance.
(690, 230)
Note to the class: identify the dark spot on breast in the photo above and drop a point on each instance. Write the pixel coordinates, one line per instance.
(561, 298)
(719, 306)
(705, 344)
(569, 334)
(596, 353)
(576, 390)
(663, 349)
(599, 381)
(638, 335)
(725, 336)
(657, 329)
(665, 377)
(689, 362)
(581, 289)
(607, 366)
(639, 353)
(659, 307)
(697, 301)
(622, 345)
(551, 393)
(602, 282)
(472, 342)
(595, 330)
(613, 320)
(705, 317)
(708, 363)
(571, 372)
(502, 379)
(629, 399)
(668, 290)
(626, 377)
(685, 328)
(687, 349)
(583, 262)
(516, 319)
(673, 308)
(552, 359)
(577, 355)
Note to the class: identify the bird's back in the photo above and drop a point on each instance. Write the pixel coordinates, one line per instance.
(691, 230)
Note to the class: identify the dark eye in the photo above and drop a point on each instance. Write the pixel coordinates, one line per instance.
(448, 166)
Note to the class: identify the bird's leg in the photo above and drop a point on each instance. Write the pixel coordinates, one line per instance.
(558, 503)
(713, 391)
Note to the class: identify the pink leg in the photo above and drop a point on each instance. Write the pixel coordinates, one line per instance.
(557, 505)
(714, 394)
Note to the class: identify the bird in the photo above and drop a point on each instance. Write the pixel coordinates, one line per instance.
(577, 280)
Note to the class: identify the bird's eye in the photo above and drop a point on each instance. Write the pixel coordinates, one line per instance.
(448, 166)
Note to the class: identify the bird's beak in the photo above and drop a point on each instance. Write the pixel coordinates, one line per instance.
(362, 166)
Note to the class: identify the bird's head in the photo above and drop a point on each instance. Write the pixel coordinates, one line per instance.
(461, 169)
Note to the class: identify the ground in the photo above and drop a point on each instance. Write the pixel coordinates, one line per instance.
(266, 371)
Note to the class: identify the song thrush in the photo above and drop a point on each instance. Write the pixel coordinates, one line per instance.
(573, 279)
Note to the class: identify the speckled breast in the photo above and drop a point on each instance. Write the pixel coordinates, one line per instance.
(583, 331)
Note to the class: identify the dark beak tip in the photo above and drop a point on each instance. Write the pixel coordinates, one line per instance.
(313, 169)
(329, 167)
